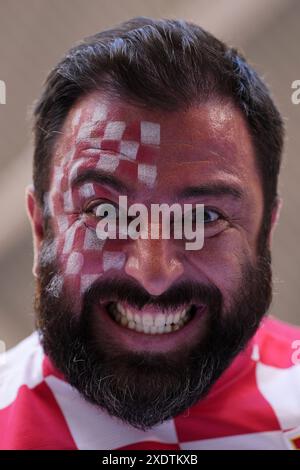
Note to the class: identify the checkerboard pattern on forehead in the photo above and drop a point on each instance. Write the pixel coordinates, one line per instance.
(128, 144)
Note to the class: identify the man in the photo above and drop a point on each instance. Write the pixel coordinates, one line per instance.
(141, 343)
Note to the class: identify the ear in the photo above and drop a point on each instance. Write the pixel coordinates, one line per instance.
(35, 215)
(274, 218)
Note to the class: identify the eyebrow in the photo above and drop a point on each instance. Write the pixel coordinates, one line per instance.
(213, 189)
(100, 177)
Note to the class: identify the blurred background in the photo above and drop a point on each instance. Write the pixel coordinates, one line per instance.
(34, 34)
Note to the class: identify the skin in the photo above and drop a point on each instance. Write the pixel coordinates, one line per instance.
(207, 145)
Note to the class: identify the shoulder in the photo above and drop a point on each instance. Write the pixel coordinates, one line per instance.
(278, 370)
(21, 365)
(278, 343)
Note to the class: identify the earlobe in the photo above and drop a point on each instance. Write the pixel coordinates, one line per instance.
(35, 215)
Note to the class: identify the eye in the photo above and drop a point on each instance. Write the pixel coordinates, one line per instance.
(211, 216)
(94, 206)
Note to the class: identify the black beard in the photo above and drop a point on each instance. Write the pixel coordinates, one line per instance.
(145, 389)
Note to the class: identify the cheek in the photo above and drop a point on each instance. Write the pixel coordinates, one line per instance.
(82, 257)
(221, 262)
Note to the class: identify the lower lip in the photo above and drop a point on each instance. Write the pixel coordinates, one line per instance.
(138, 341)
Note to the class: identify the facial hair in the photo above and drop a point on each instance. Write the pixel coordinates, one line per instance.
(144, 389)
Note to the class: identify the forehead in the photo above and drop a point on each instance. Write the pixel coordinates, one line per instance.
(202, 141)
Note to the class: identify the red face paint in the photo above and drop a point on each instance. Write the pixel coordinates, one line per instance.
(94, 143)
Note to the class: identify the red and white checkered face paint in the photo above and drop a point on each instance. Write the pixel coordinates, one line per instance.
(94, 141)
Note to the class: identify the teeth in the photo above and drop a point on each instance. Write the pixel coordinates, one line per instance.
(159, 320)
(123, 320)
(147, 319)
(147, 323)
(176, 317)
(139, 327)
(131, 324)
(121, 309)
(129, 314)
(118, 317)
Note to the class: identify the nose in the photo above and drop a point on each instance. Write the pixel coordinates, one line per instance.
(153, 265)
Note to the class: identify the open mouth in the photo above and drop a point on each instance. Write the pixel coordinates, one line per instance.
(151, 319)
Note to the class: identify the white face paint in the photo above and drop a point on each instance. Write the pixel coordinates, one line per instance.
(58, 175)
(100, 113)
(75, 263)
(91, 241)
(108, 163)
(113, 260)
(147, 174)
(62, 223)
(129, 149)
(87, 190)
(69, 237)
(86, 280)
(85, 131)
(76, 118)
(68, 201)
(150, 133)
(114, 130)
(74, 170)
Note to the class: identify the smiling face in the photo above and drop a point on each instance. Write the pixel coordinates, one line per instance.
(139, 311)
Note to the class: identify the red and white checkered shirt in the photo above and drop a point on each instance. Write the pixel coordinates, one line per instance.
(255, 404)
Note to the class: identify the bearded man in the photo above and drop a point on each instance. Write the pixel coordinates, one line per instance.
(139, 342)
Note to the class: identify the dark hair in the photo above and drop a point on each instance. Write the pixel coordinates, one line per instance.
(165, 64)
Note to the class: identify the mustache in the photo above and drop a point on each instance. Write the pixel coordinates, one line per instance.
(131, 292)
